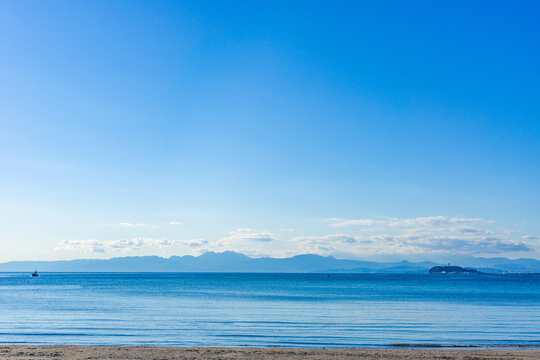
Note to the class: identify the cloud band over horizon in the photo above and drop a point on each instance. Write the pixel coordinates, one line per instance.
(358, 237)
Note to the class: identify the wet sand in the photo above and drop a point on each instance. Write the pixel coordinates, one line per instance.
(135, 352)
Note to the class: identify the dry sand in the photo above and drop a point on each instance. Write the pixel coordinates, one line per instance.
(106, 352)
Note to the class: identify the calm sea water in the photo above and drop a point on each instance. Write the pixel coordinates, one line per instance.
(297, 310)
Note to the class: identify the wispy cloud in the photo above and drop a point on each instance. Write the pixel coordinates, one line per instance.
(133, 244)
(425, 222)
(92, 246)
(358, 237)
(337, 222)
(436, 221)
(195, 242)
(250, 235)
(139, 225)
(408, 243)
(329, 243)
(174, 223)
(247, 241)
(128, 224)
(433, 234)
(330, 239)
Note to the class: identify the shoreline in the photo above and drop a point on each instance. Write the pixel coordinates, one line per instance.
(322, 347)
(457, 346)
(78, 352)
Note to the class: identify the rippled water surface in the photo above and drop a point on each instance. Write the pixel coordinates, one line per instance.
(307, 310)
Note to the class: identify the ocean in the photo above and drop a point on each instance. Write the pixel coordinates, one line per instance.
(291, 310)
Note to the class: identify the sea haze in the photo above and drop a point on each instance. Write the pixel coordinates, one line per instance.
(296, 310)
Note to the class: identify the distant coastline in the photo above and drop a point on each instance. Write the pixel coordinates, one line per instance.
(229, 261)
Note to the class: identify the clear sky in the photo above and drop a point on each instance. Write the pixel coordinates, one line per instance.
(353, 128)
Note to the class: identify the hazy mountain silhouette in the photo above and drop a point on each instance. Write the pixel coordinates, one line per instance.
(230, 261)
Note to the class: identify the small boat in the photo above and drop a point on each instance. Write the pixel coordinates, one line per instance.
(34, 274)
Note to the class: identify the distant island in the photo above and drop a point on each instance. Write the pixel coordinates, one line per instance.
(452, 270)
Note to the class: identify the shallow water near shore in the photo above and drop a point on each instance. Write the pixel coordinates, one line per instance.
(291, 310)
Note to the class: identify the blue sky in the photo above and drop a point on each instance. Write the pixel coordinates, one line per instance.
(358, 129)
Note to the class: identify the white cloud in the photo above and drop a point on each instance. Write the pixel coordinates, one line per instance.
(420, 222)
(195, 242)
(358, 237)
(249, 235)
(408, 243)
(247, 241)
(133, 244)
(91, 246)
(330, 243)
(433, 234)
(128, 224)
(174, 223)
(435, 221)
(474, 244)
(337, 222)
(136, 243)
(329, 239)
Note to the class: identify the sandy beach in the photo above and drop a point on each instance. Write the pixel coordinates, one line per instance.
(135, 352)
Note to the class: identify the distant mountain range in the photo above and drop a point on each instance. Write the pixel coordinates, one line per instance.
(229, 261)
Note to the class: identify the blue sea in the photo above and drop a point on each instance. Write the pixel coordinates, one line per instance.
(291, 310)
